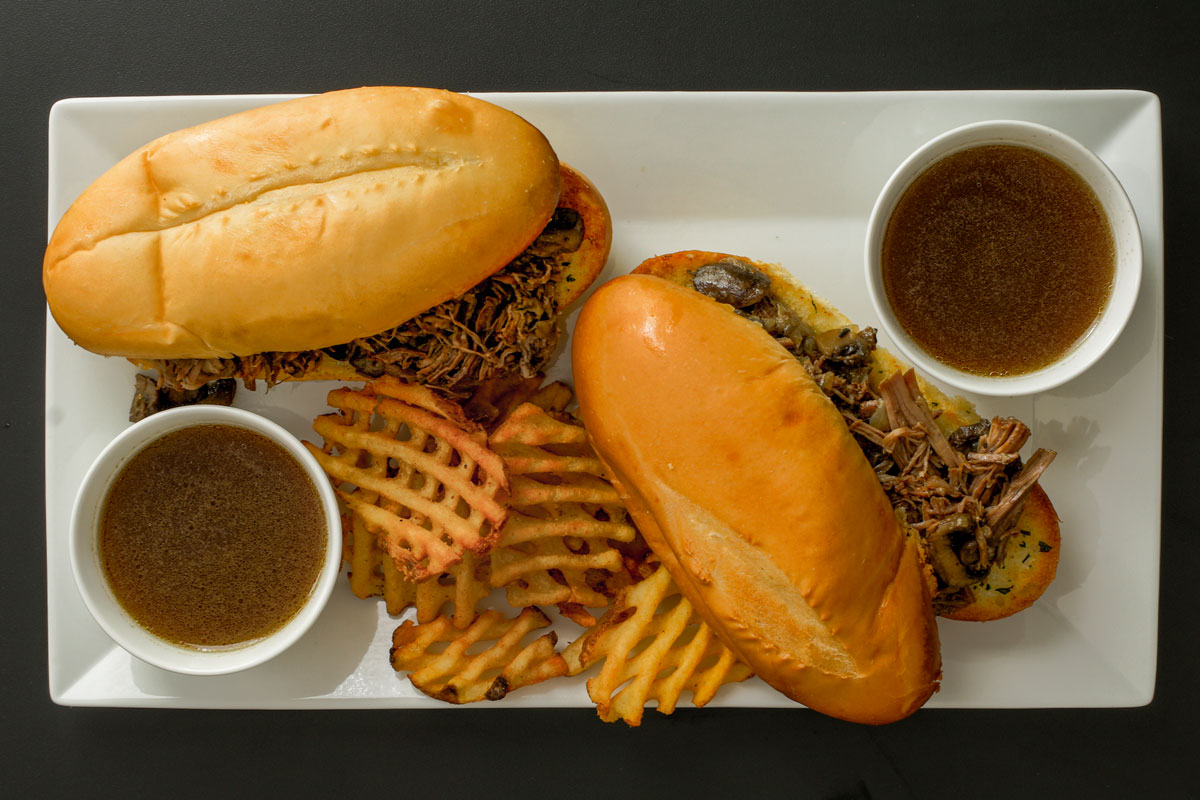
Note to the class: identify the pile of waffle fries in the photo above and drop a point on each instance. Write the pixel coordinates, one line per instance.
(444, 503)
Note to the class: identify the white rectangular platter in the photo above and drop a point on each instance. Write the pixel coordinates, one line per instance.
(788, 178)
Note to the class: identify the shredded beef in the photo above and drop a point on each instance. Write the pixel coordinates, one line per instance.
(149, 398)
(962, 494)
(507, 324)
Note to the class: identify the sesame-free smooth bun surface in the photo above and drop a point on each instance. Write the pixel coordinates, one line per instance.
(744, 480)
(299, 225)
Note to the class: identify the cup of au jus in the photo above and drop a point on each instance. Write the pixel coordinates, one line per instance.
(205, 540)
(1003, 258)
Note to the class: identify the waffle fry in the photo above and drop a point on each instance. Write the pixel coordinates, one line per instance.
(495, 399)
(555, 547)
(410, 466)
(553, 397)
(456, 676)
(567, 542)
(654, 646)
(374, 574)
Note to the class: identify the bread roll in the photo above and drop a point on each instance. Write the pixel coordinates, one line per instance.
(299, 225)
(744, 480)
(1030, 561)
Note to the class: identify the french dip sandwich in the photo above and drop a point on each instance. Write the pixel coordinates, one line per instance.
(987, 529)
(725, 403)
(742, 478)
(411, 232)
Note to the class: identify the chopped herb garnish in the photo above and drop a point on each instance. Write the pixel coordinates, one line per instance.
(1026, 558)
(1045, 548)
(1004, 590)
(569, 279)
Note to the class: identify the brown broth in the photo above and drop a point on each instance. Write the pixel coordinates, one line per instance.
(212, 536)
(997, 260)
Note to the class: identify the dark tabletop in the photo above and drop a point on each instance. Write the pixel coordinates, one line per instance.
(51, 50)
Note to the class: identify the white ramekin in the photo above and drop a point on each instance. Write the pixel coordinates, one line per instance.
(1126, 238)
(94, 587)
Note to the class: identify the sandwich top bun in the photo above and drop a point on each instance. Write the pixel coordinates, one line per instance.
(1031, 556)
(226, 238)
(747, 484)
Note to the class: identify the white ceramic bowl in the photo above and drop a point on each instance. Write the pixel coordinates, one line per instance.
(94, 587)
(1126, 238)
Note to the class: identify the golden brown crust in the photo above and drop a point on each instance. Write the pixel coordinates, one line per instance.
(585, 264)
(1030, 563)
(1026, 571)
(218, 240)
(782, 538)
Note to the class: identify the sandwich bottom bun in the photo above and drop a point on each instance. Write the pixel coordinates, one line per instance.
(1031, 555)
(743, 479)
(581, 266)
(1029, 566)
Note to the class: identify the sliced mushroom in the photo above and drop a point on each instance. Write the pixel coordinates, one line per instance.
(563, 234)
(370, 367)
(830, 341)
(732, 281)
(966, 438)
(149, 398)
(944, 555)
(847, 345)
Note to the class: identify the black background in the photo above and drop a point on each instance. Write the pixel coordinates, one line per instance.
(53, 50)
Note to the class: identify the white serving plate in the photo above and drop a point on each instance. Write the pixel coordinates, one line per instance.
(789, 178)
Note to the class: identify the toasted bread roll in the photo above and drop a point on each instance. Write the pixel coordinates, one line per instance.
(1029, 558)
(229, 237)
(579, 254)
(415, 233)
(744, 480)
